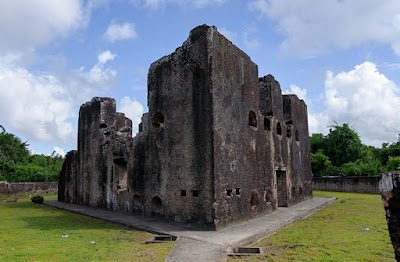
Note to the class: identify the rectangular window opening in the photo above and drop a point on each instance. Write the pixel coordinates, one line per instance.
(183, 192)
(238, 191)
(229, 192)
(195, 193)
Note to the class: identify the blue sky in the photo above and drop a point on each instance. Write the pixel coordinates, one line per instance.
(340, 56)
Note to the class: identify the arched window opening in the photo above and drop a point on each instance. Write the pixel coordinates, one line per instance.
(278, 128)
(137, 202)
(268, 196)
(158, 119)
(252, 119)
(254, 200)
(297, 135)
(267, 124)
(156, 203)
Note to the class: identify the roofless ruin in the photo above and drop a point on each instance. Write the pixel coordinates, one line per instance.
(219, 145)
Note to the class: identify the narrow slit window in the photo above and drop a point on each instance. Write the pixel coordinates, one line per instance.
(278, 128)
(267, 124)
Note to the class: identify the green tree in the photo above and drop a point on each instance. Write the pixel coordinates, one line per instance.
(17, 165)
(321, 165)
(343, 145)
(317, 142)
(12, 149)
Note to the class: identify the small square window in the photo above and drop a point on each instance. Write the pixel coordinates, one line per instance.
(229, 192)
(195, 193)
(238, 191)
(183, 192)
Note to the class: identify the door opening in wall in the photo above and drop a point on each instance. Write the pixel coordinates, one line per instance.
(281, 181)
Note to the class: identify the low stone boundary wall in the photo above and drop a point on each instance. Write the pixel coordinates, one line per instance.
(7, 189)
(356, 184)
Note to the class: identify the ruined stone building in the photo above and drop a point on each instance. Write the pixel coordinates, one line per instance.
(219, 145)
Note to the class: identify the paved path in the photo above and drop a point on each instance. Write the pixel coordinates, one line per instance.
(197, 245)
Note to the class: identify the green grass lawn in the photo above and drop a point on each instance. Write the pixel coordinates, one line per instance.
(336, 233)
(33, 232)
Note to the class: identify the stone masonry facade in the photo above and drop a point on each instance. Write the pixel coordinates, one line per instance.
(219, 145)
(389, 185)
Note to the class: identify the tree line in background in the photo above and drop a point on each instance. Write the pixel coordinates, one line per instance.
(342, 153)
(17, 164)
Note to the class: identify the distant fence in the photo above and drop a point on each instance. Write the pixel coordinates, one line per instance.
(7, 189)
(363, 184)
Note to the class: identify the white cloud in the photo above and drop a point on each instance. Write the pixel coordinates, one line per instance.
(364, 98)
(39, 102)
(156, 4)
(59, 151)
(314, 27)
(133, 110)
(300, 92)
(42, 107)
(99, 77)
(29, 24)
(105, 56)
(121, 31)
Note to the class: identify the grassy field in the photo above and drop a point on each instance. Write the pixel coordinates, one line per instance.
(33, 232)
(351, 229)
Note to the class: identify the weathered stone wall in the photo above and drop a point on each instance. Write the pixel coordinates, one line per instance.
(390, 190)
(242, 159)
(178, 147)
(347, 184)
(297, 137)
(7, 189)
(67, 180)
(209, 150)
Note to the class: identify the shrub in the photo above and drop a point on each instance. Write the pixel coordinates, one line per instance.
(37, 199)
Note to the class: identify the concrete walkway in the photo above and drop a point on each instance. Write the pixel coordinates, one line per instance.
(197, 245)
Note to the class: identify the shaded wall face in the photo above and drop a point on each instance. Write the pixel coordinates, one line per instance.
(67, 180)
(242, 159)
(178, 147)
(295, 115)
(95, 152)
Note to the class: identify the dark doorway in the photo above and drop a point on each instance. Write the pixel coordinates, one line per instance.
(281, 182)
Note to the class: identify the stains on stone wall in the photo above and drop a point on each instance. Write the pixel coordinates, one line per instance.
(389, 185)
(219, 145)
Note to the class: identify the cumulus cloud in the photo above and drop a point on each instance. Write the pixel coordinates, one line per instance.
(155, 4)
(47, 103)
(58, 151)
(35, 101)
(29, 24)
(99, 74)
(314, 27)
(364, 98)
(133, 110)
(120, 31)
(300, 92)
